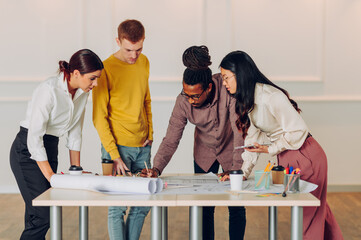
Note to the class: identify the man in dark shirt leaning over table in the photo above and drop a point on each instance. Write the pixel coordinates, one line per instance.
(205, 103)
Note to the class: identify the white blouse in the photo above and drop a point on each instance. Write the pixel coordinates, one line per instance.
(275, 120)
(53, 111)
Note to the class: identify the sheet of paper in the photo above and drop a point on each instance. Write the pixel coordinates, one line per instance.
(191, 180)
(188, 187)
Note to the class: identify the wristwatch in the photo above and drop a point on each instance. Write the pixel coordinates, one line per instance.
(157, 170)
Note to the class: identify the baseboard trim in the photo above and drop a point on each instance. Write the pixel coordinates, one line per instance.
(344, 188)
(9, 189)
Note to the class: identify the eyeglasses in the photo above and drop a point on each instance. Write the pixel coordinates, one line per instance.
(226, 78)
(195, 97)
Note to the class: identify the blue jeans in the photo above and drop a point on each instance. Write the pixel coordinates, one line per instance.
(237, 215)
(134, 158)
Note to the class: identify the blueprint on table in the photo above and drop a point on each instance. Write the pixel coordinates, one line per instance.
(210, 184)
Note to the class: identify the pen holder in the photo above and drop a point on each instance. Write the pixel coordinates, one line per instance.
(107, 166)
(292, 183)
(262, 180)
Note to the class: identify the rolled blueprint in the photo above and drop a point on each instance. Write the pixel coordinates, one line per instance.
(108, 184)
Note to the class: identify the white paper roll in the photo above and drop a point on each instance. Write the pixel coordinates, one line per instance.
(159, 184)
(108, 184)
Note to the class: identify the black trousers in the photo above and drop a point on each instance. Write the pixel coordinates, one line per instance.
(32, 182)
(237, 215)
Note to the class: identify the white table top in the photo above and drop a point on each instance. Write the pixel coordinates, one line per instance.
(69, 197)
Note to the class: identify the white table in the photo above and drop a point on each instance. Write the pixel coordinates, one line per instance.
(57, 198)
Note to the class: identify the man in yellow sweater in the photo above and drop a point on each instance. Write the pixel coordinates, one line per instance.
(123, 118)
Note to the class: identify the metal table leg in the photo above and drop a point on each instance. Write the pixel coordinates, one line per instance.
(272, 223)
(164, 223)
(296, 223)
(156, 223)
(55, 223)
(195, 222)
(83, 223)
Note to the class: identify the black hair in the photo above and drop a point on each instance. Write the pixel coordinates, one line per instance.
(197, 60)
(247, 75)
(84, 60)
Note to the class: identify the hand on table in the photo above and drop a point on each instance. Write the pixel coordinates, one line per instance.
(120, 167)
(225, 176)
(152, 172)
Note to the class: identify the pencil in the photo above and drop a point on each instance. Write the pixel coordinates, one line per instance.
(294, 179)
(264, 173)
(269, 171)
(146, 167)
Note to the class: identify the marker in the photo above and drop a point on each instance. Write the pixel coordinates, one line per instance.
(284, 194)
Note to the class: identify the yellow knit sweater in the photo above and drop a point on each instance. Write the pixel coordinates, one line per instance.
(122, 106)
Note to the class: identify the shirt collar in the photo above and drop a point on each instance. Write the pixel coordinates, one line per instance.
(64, 86)
(216, 78)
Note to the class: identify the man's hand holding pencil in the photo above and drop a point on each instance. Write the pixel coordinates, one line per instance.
(149, 172)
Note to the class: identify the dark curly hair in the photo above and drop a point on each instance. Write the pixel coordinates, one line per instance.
(197, 60)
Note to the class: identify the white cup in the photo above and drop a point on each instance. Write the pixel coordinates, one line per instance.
(236, 178)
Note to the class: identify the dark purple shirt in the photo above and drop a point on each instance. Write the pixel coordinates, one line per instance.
(215, 133)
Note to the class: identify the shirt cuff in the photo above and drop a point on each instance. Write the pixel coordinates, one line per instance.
(114, 154)
(74, 146)
(273, 149)
(40, 157)
(247, 168)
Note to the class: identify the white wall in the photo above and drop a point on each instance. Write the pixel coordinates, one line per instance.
(310, 47)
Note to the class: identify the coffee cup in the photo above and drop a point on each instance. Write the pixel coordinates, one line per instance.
(278, 174)
(75, 170)
(107, 166)
(236, 179)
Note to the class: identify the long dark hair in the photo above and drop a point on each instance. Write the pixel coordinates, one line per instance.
(247, 75)
(84, 60)
(197, 60)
